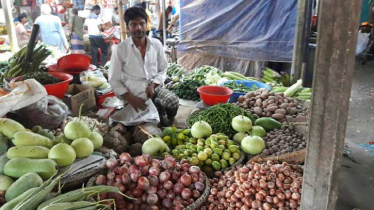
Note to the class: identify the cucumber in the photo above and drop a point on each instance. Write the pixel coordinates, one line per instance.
(9, 127)
(5, 182)
(33, 152)
(26, 138)
(268, 123)
(18, 167)
(12, 204)
(23, 184)
(3, 160)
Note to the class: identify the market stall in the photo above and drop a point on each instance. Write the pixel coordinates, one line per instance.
(63, 142)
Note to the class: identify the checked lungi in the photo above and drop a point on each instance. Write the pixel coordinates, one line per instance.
(77, 44)
(167, 104)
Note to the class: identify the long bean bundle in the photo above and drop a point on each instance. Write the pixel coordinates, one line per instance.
(219, 117)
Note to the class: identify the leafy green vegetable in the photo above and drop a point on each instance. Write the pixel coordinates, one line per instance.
(42, 77)
(241, 88)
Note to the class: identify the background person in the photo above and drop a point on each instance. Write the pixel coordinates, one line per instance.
(96, 39)
(144, 6)
(51, 30)
(76, 31)
(22, 34)
(115, 17)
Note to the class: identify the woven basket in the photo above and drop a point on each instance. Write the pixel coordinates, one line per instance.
(195, 205)
(240, 161)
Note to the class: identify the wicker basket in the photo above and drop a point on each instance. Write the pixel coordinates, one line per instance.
(195, 205)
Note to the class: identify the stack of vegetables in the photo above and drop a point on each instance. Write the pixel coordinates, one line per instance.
(264, 103)
(283, 84)
(174, 75)
(154, 183)
(219, 117)
(257, 186)
(38, 151)
(187, 89)
(18, 65)
(30, 192)
(42, 77)
(211, 152)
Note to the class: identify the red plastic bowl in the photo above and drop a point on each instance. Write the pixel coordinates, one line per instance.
(74, 62)
(212, 95)
(57, 89)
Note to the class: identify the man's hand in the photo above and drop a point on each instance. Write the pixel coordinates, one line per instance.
(150, 90)
(136, 102)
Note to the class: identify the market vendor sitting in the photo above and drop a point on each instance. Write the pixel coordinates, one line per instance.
(138, 70)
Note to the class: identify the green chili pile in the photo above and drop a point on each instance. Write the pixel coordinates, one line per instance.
(42, 77)
(241, 88)
(219, 117)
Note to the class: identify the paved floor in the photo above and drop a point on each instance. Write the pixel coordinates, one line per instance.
(356, 178)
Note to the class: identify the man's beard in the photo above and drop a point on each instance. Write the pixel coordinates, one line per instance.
(138, 34)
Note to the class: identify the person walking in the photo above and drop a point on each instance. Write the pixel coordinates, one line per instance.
(96, 39)
(51, 30)
(76, 33)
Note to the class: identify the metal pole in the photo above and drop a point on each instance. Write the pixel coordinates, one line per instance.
(163, 19)
(10, 26)
(332, 82)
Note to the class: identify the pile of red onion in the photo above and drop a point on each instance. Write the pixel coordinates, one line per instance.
(256, 186)
(156, 184)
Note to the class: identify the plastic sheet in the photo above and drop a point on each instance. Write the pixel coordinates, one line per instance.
(242, 29)
(189, 61)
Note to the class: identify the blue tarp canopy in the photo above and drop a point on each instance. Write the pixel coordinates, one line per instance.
(259, 30)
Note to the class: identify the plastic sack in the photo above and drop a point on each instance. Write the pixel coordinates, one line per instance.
(243, 29)
(362, 42)
(95, 79)
(22, 94)
(128, 116)
(50, 113)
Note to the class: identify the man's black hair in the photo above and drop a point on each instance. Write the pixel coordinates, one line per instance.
(22, 15)
(135, 12)
(96, 7)
(115, 8)
(169, 9)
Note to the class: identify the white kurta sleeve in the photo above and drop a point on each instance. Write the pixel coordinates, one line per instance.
(115, 71)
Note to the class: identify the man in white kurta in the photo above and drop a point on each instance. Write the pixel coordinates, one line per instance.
(138, 69)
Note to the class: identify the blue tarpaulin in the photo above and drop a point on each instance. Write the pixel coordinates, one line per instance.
(259, 30)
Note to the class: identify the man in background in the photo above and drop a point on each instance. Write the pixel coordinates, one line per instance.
(115, 17)
(161, 23)
(96, 39)
(148, 28)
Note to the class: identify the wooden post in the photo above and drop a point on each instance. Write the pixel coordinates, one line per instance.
(333, 75)
(297, 59)
(122, 21)
(10, 25)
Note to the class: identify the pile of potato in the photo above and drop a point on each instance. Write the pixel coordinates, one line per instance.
(264, 103)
